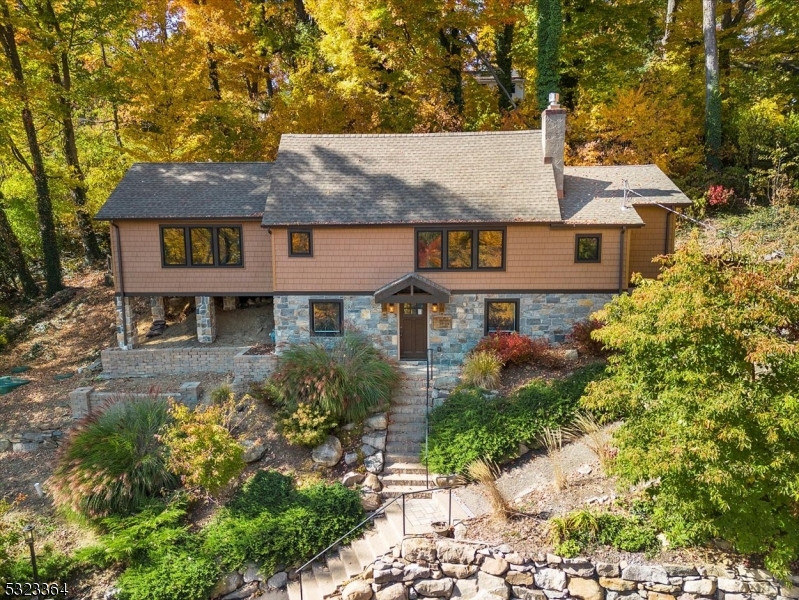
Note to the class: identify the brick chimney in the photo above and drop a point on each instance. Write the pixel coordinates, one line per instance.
(553, 136)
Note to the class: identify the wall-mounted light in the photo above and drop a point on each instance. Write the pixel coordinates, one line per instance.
(438, 308)
(388, 308)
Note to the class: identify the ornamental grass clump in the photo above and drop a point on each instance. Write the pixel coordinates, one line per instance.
(344, 381)
(596, 438)
(482, 369)
(552, 440)
(114, 462)
(486, 473)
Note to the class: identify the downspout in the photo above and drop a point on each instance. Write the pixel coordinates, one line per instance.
(621, 260)
(668, 233)
(118, 251)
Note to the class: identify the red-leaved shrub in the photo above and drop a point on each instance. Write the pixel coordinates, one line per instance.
(515, 349)
(580, 336)
(718, 196)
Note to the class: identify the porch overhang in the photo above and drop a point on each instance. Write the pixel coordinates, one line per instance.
(412, 288)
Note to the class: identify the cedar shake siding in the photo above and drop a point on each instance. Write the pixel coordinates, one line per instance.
(363, 259)
(650, 241)
(144, 274)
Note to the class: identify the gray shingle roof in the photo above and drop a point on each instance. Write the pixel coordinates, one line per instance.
(189, 190)
(411, 178)
(594, 195)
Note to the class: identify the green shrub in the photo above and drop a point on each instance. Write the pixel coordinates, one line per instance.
(468, 426)
(201, 450)
(482, 369)
(568, 549)
(174, 574)
(113, 462)
(307, 426)
(578, 530)
(221, 394)
(266, 392)
(344, 381)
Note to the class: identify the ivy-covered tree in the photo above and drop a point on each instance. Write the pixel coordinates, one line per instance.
(550, 24)
(706, 377)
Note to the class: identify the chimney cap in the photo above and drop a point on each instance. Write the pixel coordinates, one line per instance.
(554, 99)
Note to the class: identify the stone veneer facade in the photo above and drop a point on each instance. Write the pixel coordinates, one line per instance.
(205, 310)
(127, 334)
(540, 315)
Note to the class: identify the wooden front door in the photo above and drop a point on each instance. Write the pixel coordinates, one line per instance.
(413, 331)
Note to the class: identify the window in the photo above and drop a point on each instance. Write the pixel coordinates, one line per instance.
(206, 246)
(300, 243)
(463, 248)
(587, 248)
(501, 316)
(326, 317)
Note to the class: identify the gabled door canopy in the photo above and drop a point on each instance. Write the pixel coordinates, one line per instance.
(412, 288)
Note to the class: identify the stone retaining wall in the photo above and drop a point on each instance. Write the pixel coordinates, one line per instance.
(171, 361)
(85, 400)
(443, 568)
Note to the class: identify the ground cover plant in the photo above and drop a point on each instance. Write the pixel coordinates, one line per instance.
(705, 373)
(578, 531)
(320, 387)
(470, 426)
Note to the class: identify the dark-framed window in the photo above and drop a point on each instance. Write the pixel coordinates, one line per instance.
(501, 315)
(460, 248)
(326, 317)
(588, 248)
(300, 242)
(201, 246)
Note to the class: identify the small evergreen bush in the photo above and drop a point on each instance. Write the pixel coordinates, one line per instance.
(113, 462)
(175, 573)
(482, 369)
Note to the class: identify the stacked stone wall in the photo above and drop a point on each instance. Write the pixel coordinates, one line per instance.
(422, 567)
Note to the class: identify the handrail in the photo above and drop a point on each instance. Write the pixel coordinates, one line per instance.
(372, 517)
(429, 371)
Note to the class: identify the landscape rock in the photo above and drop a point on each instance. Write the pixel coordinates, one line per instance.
(278, 580)
(715, 571)
(415, 571)
(377, 422)
(357, 590)
(551, 579)
(350, 458)
(434, 588)
(376, 439)
(396, 591)
(753, 573)
(447, 382)
(524, 593)
(368, 450)
(458, 571)
(733, 586)
(372, 482)
(519, 578)
(374, 463)
(570, 354)
(495, 586)
(352, 478)
(608, 569)
(659, 596)
(228, 583)
(416, 549)
(495, 566)
(370, 501)
(254, 451)
(460, 531)
(702, 587)
(242, 592)
(617, 585)
(586, 589)
(790, 591)
(252, 573)
(645, 573)
(455, 552)
(662, 588)
(578, 567)
(762, 587)
(328, 453)
(514, 558)
(5, 445)
(679, 570)
(465, 589)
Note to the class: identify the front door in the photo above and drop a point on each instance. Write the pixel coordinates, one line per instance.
(413, 331)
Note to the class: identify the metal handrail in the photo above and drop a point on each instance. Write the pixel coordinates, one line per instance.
(370, 518)
(429, 370)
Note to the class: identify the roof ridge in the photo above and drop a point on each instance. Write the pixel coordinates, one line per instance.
(205, 162)
(430, 134)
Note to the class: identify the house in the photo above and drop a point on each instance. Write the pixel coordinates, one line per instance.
(420, 240)
(517, 83)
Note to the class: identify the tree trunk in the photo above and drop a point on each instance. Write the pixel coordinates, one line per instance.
(453, 85)
(213, 72)
(44, 205)
(503, 43)
(671, 9)
(550, 23)
(302, 14)
(15, 256)
(712, 89)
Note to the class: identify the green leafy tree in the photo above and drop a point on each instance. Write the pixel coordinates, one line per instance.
(705, 375)
(550, 24)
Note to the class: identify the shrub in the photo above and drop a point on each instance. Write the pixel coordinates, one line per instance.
(482, 369)
(221, 394)
(582, 528)
(201, 450)
(581, 337)
(515, 349)
(266, 392)
(113, 462)
(468, 426)
(485, 472)
(307, 426)
(177, 573)
(344, 381)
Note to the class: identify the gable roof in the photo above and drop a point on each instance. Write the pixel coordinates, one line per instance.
(412, 287)
(411, 178)
(189, 190)
(594, 195)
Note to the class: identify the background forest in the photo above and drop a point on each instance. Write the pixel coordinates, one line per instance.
(706, 89)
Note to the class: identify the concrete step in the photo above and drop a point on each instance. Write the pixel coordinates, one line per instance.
(406, 427)
(402, 457)
(407, 409)
(309, 587)
(394, 491)
(403, 448)
(336, 566)
(406, 479)
(397, 418)
(324, 581)
(408, 399)
(398, 466)
(293, 590)
(349, 558)
(406, 436)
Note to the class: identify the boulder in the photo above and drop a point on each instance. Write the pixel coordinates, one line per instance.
(5, 445)
(701, 587)
(328, 453)
(243, 592)
(733, 586)
(493, 585)
(357, 590)
(663, 588)
(458, 571)
(372, 482)
(415, 571)
(416, 549)
(377, 422)
(551, 579)
(659, 596)
(374, 463)
(495, 566)
(352, 478)
(350, 458)
(396, 591)
(434, 588)
(715, 571)
(570, 354)
(524, 593)
(608, 569)
(644, 573)
(585, 589)
(254, 450)
(370, 501)
(679, 570)
(278, 580)
(447, 382)
(615, 584)
(519, 578)
(228, 583)
(763, 588)
(579, 567)
(368, 450)
(376, 439)
(514, 558)
(455, 552)
(252, 572)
